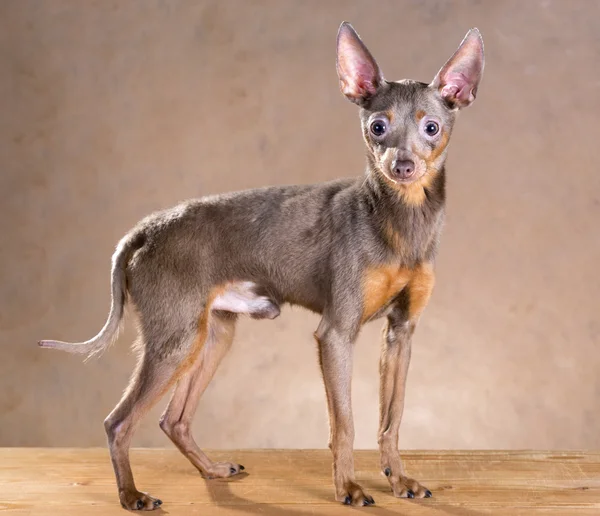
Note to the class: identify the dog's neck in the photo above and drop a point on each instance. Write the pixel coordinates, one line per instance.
(415, 219)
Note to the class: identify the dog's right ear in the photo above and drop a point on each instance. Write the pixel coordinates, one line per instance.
(360, 77)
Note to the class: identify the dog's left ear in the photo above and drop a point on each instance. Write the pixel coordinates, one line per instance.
(359, 75)
(459, 78)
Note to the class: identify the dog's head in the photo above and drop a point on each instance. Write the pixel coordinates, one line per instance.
(407, 124)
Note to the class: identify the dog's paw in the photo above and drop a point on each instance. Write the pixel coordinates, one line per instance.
(223, 470)
(137, 501)
(353, 494)
(404, 487)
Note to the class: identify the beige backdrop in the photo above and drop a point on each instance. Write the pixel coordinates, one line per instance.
(112, 109)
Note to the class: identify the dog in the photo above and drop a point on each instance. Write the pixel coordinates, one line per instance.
(352, 250)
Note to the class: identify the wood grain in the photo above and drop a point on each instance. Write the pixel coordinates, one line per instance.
(52, 481)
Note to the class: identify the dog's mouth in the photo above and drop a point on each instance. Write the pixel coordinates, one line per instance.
(403, 178)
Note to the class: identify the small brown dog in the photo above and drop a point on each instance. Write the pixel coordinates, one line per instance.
(351, 250)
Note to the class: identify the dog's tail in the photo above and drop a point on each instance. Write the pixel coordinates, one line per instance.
(110, 331)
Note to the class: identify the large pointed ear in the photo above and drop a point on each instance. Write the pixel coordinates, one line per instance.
(459, 78)
(360, 77)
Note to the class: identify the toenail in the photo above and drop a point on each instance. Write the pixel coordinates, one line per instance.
(242, 468)
(232, 471)
(139, 505)
(428, 493)
(410, 494)
(348, 500)
(387, 472)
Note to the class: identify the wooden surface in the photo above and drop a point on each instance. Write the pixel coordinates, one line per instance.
(70, 482)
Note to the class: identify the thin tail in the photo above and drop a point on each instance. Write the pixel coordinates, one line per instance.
(110, 331)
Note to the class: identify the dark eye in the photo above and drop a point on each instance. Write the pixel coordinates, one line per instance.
(431, 128)
(378, 127)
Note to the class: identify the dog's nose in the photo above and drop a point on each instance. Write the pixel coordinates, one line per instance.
(403, 168)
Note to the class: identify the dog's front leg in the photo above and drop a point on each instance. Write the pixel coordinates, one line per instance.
(335, 357)
(395, 359)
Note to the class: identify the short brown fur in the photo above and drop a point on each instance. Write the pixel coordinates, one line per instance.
(414, 193)
(380, 285)
(420, 288)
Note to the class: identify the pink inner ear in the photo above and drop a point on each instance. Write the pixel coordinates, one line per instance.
(458, 88)
(359, 77)
(459, 77)
(357, 70)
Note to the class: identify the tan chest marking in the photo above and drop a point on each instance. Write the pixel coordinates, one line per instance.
(419, 289)
(380, 285)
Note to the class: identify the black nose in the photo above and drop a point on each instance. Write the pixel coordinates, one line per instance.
(403, 168)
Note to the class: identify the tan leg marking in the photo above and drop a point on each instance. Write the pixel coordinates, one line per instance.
(149, 382)
(395, 360)
(177, 419)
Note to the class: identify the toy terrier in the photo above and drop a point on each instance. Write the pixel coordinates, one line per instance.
(351, 250)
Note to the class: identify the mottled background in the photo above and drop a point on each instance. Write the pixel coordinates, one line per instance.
(113, 109)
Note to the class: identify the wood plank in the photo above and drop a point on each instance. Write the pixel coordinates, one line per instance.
(51, 481)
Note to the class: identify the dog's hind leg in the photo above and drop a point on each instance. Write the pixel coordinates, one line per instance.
(177, 418)
(165, 358)
(151, 379)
